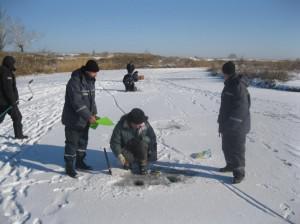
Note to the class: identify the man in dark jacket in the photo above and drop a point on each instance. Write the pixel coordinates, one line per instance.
(9, 97)
(133, 141)
(79, 112)
(234, 121)
(130, 78)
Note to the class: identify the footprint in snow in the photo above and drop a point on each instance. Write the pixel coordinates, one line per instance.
(286, 210)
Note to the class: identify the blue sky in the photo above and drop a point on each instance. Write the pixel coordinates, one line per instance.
(210, 28)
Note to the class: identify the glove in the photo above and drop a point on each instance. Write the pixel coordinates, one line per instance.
(122, 159)
(92, 120)
(220, 129)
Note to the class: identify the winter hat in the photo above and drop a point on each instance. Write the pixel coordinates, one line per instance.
(228, 68)
(91, 66)
(130, 67)
(137, 116)
(9, 62)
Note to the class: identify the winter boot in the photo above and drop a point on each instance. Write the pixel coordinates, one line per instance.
(21, 137)
(81, 165)
(70, 171)
(18, 131)
(226, 169)
(238, 175)
(143, 167)
(238, 179)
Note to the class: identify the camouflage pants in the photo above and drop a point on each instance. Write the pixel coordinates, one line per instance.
(136, 151)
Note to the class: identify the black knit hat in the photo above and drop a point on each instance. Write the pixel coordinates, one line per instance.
(91, 66)
(137, 116)
(228, 68)
(9, 62)
(130, 67)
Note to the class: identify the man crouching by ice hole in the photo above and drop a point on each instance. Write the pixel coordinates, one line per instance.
(134, 142)
(79, 112)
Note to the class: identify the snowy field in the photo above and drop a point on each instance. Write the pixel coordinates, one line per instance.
(182, 105)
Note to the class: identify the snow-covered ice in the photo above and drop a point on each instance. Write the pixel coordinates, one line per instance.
(182, 105)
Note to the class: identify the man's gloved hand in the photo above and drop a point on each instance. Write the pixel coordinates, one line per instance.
(92, 120)
(14, 104)
(220, 130)
(122, 160)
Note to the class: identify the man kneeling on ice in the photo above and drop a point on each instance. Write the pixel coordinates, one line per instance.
(133, 141)
(79, 112)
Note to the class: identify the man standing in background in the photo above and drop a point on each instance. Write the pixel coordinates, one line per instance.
(9, 96)
(130, 78)
(234, 121)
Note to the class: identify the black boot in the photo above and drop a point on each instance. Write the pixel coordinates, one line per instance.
(143, 167)
(70, 171)
(21, 137)
(81, 165)
(18, 131)
(226, 169)
(238, 175)
(237, 179)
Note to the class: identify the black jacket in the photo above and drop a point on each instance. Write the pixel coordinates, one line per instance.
(234, 115)
(79, 100)
(128, 79)
(8, 88)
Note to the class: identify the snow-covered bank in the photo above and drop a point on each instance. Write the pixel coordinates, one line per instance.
(183, 106)
(293, 85)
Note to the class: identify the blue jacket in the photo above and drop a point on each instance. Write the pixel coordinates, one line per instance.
(79, 100)
(234, 115)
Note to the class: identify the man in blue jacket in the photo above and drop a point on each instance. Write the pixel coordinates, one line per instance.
(234, 121)
(79, 112)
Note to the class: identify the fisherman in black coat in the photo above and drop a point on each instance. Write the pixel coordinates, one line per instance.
(130, 78)
(9, 97)
(234, 121)
(79, 112)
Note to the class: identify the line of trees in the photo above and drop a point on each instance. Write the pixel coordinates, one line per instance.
(14, 33)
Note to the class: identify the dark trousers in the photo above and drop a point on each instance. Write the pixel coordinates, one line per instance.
(76, 143)
(136, 151)
(152, 152)
(130, 88)
(16, 117)
(233, 146)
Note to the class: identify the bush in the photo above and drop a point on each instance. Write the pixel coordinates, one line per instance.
(31, 63)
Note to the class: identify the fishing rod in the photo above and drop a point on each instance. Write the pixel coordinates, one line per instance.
(29, 99)
(107, 162)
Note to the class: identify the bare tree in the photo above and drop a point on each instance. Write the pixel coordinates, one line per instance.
(4, 20)
(20, 37)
